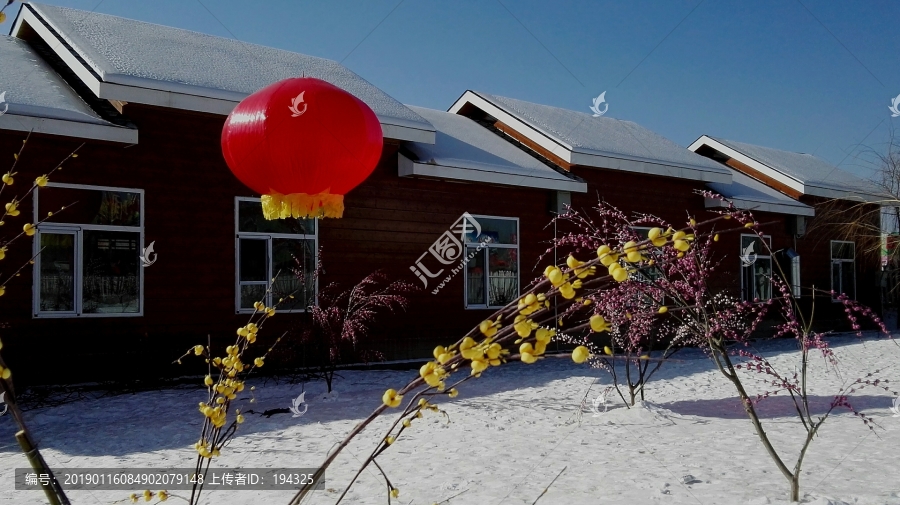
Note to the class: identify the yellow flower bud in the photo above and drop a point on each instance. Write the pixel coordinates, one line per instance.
(389, 440)
(240, 418)
(29, 229)
(6, 373)
(453, 393)
(395, 492)
(602, 251)
(391, 398)
(607, 350)
(7, 179)
(406, 423)
(41, 181)
(598, 323)
(258, 362)
(580, 354)
(208, 380)
(663, 309)
(162, 495)
(12, 208)
(198, 350)
(133, 497)
(148, 495)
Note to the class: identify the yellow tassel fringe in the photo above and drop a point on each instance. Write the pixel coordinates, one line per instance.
(302, 206)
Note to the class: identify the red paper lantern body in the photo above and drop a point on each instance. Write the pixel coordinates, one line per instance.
(303, 144)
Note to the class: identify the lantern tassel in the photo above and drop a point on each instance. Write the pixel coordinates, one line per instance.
(302, 205)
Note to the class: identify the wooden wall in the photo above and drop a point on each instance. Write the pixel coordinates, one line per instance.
(189, 211)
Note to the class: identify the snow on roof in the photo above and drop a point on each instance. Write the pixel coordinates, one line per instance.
(750, 194)
(38, 98)
(145, 55)
(463, 149)
(608, 137)
(806, 169)
(34, 89)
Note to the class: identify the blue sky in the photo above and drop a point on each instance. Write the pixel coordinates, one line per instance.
(814, 77)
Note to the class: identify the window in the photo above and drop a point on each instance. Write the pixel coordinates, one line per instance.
(843, 268)
(492, 273)
(87, 258)
(756, 268)
(280, 249)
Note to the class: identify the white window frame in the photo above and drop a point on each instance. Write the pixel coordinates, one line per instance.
(766, 256)
(842, 262)
(77, 275)
(238, 235)
(487, 277)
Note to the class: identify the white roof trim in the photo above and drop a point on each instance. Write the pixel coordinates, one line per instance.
(750, 162)
(50, 126)
(173, 95)
(787, 180)
(587, 157)
(409, 168)
(775, 208)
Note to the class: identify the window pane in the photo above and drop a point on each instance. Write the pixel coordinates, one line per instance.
(475, 277)
(252, 257)
(291, 260)
(759, 248)
(847, 279)
(504, 279)
(111, 269)
(250, 218)
(756, 280)
(762, 271)
(252, 293)
(57, 272)
(842, 250)
(495, 231)
(90, 206)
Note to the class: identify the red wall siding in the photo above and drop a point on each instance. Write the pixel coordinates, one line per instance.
(388, 223)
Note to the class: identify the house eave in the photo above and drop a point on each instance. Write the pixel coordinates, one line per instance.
(587, 157)
(175, 95)
(752, 205)
(410, 168)
(73, 129)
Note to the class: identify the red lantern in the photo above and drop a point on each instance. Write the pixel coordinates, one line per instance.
(302, 143)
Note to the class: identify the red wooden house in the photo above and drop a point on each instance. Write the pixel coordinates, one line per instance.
(149, 103)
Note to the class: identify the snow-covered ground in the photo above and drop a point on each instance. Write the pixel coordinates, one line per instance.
(510, 433)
